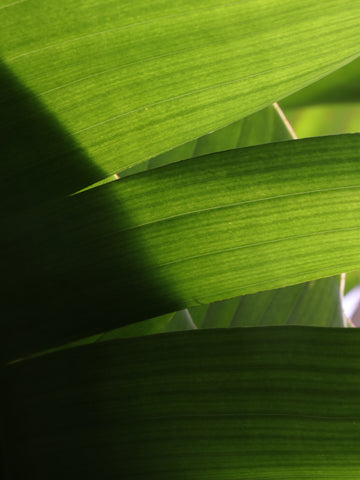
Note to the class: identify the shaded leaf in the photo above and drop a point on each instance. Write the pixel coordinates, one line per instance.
(316, 303)
(260, 404)
(194, 232)
(294, 304)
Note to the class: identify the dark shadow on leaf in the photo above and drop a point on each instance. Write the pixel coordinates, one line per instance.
(178, 406)
(70, 269)
(39, 159)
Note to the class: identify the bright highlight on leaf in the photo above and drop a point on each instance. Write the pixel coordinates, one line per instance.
(129, 80)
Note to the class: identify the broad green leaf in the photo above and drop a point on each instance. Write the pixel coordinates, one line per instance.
(316, 303)
(258, 404)
(262, 127)
(194, 232)
(130, 80)
(294, 305)
(274, 307)
(339, 87)
(39, 160)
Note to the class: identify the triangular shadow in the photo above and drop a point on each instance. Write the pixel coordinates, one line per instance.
(67, 271)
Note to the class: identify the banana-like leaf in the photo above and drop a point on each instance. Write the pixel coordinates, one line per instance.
(293, 305)
(268, 125)
(259, 404)
(194, 232)
(130, 80)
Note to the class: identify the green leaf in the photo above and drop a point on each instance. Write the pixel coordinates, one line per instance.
(262, 127)
(315, 303)
(128, 81)
(151, 326)
(194, 232)
(182, 320)
(260, 404)
(294, 305)
(147, 327)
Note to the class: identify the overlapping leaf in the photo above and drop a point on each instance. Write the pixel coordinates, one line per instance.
(260, 404)
(294, 305)
(260, 218)
(314, 303)
(90, 88)
(262, 127)
(131, 80)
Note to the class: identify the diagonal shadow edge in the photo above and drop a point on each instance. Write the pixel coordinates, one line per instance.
(66, 274)
(40, 161)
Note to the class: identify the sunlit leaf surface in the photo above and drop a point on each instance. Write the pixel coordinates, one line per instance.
(190, 233)
(129, 80)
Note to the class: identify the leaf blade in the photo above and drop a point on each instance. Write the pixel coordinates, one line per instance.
(130, 82)
(262, 218)
(189, 405)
